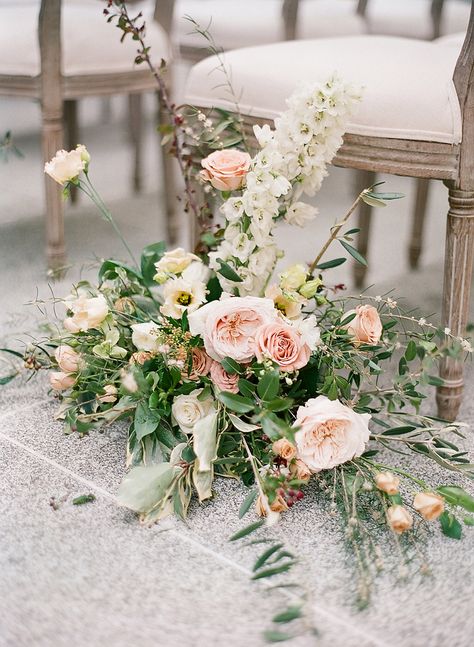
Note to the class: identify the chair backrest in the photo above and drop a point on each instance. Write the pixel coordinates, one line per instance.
(49, 34)
(464, 83)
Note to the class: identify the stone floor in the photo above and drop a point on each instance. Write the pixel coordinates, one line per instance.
(90, 575)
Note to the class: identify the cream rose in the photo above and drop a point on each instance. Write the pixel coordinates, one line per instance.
(173, 262)
(330, 433)
(366, 326)
(223, 380)
(228, 326)
(226, 169)
(284, 448)
(145, 336)
(187, 410)
(200, 364)
(61, 381)
(399, 519)
(68, 360)
(387, 482)
(283, 345)
(67, 165)
(86, 313)
(429, 505)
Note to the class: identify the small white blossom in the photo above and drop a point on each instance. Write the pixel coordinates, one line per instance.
(422, 322)
(447, 331)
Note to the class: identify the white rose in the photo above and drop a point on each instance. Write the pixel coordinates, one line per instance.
(330, 433)
(228, 326)
(67, 165)
(145, 336)
(175, 261)
(187, 410)
(86, 313)
(300, 213)
(181, 295)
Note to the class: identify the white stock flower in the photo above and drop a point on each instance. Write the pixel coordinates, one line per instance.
(67, 165)
(145, 336)
(181, 295)
(242, 247)
(187, 410)
(232, 209)
(263, 134)
(300, 213)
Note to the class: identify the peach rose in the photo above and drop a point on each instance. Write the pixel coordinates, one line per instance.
(366, 326)
(283, 345)
(226, 169)
(61, 381)
(284, 448)
(223, 380)
(201, 365)
(387, 482)
(329, 433)
(228, 326)
(68, 360)
(429, 505)
(399, 519)
(300, 470)
(279, 505)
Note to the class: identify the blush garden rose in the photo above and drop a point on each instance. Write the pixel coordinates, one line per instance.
(226, 170)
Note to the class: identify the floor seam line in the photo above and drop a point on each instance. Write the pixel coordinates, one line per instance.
(341, 620)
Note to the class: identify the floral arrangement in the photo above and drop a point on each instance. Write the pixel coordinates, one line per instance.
(223, 369)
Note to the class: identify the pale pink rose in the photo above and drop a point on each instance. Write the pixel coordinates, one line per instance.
(226, 169)
(329, 433)
(86, 313)
(223, 380)
(68, 360)
(228, 326)
(429, 504)
(283, 345)
(366, 326)
(61, 381)
(399, 519)
(201, 364)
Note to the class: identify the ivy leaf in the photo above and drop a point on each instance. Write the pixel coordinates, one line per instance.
(450, 525)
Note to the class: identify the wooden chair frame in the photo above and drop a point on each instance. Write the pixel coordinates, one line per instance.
(58, 95)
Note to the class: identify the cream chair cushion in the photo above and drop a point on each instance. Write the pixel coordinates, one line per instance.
(409, 93)
(412, 18)
(243, 23)
(89, 44)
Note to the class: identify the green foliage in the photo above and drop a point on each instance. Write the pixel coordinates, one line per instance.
(450, 525)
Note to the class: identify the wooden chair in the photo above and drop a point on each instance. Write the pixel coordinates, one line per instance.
(88, 60)
(416, 119)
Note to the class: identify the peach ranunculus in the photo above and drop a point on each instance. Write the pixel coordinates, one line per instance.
(87, 312)
(61, 381)
(222, 379)
(282, 447)
(68, 360)
(201, 365)
(228, 326)
(226, 169)
(399, 519)
(329, 433)
(283, 345)
(366, 326)
(429, 505)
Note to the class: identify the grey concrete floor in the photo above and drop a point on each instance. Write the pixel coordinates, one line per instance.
(90, 575)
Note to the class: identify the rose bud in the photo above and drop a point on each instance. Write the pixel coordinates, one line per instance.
(68, 360)
(61, 381)
(299, 470)
(387, 482)
(399, 519)
(279, 505)
(284, 448)
(110, 394)
(429, 505)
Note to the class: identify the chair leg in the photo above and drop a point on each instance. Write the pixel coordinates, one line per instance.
(456, 292)
(414, 249)
(135, 102)
(72, 135)
(168, 165)
(52, 140)
(364, 179)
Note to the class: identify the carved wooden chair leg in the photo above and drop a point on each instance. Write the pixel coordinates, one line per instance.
(456, 292)
(168, 181)
(135, 102)
(364, 179)
(72, 134)
(416, 239)
(52, 134)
